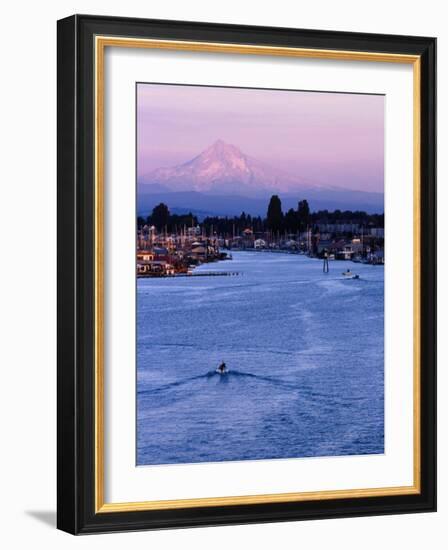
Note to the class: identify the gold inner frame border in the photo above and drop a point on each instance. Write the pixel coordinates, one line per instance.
(100, 44)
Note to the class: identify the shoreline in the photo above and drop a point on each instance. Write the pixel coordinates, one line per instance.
(235, 273)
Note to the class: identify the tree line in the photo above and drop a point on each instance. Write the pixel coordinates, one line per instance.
(162, 219)
(292, 221)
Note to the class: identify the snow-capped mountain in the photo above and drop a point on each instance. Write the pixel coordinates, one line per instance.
(224, 181)
(222, 169)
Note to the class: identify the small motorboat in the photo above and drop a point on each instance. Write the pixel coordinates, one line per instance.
(222, 369)
(349, 275)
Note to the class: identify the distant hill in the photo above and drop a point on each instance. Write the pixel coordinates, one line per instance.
(203, 205)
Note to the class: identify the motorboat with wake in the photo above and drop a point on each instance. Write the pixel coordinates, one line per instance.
(350, 275)
(222, 369)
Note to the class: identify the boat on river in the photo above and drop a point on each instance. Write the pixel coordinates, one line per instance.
(350, 275)
(222, 369)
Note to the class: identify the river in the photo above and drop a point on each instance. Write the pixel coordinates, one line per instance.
(304, 349)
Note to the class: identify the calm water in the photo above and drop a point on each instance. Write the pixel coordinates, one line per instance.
(304, 349)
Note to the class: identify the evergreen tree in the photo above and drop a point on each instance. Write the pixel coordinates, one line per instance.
(160, 216)
(275, 214)
(291, 221)
(303, 212)
(243, 220)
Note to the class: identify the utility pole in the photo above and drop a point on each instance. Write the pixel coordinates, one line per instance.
(308, 239)
(326, 267)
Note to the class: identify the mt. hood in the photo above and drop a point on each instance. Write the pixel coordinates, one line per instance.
(222, 169)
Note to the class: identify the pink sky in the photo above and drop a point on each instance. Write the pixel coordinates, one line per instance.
(322, 138)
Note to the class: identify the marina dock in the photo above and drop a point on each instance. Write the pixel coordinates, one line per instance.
(192, 274)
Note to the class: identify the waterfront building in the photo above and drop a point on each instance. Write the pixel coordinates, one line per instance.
(160, 253)
(194, 231)
(198, 251)
(155, 268)
(145, 256)
(338, 227)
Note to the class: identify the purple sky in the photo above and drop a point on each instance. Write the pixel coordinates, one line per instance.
(322, 138)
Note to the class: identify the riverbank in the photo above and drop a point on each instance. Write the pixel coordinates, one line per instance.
(331, 258)
(192, 274)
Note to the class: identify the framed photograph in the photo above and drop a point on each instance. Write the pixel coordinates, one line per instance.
(246, 274)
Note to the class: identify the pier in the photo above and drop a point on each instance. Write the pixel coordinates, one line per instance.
(192, 274)
(212, 274)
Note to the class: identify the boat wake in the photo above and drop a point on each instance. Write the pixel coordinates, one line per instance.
(225, 376)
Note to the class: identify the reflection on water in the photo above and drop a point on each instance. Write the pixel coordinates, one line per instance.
(304, 351)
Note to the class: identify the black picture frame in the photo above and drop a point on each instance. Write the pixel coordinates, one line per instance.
(76, 256)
